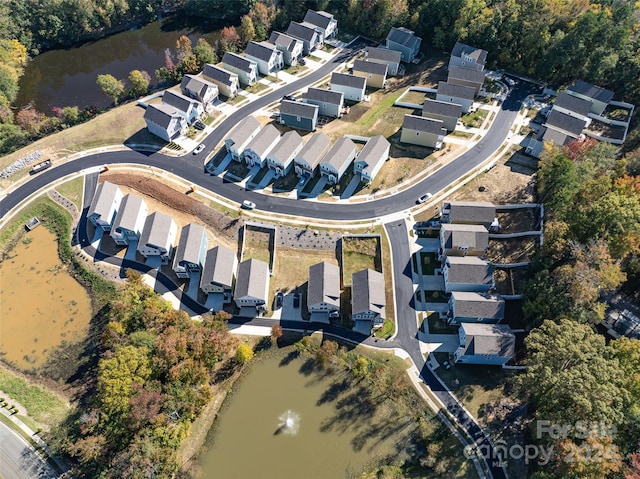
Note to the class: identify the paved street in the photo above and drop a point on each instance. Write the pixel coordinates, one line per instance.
(18, 460)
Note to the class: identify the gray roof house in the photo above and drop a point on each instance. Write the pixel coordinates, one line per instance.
(191, 250)
(165, 121)
(404, 41)
(469, 212)
(129, 222)
(572, 105)
(475, 308)
(419, 130)
(256, 152)
(462, 95)
(219, 273)
(280, 159)
(337, 160)
(158, 235)
(463, 240)
(599, 97)
(245, 68)
(368, 300)
(226, 81)
(297, 114)
(323, 21)
(565, 123)
(466, 77)
(290, 47)
(371, 158)
(323, 291)
(191, 109)
(560, 128)
(104, 205)
(202, 90)
(252, 285)
(241, 136)
(447, 113)
(467, 273)
(489, 344)
(391, 58)
(306, 33)
(330, 103)
(375, 73)
(309, 157)
(468, 57)
(268, 57)
(353, 87)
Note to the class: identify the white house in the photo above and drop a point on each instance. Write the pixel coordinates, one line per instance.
(371, 158)
(129, 221)
(256, 152)
(353, 87)
(191, 251)
(241, 136)
(219, 273)
(104, 206)
(468, 57)
(280, 158)
(489, 344)
(323, 21)
(307, 34)
(368, 300)
(337, 160)
(191, 109)
(252, 285)
(202, 90)
(165, 121)
(245, 68)
(309, 157)
(330, 103)
(291, 48)
(158, 236)
(226, 81)
(266, 55)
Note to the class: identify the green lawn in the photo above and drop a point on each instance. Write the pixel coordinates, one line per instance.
(386, 331)
(475, 119)
(72, 190)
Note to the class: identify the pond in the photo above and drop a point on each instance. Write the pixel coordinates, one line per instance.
(287, 419)
(60, 78)
(41, 305)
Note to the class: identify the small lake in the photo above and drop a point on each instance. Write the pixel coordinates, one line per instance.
(334, 429)
(41, 305)
(61, 78)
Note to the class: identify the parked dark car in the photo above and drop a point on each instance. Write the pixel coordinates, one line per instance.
(199, 125)
(279, 299)
(289, 97)
(296, 300)
(302, 62)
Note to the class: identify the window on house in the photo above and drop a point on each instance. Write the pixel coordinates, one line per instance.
(298, 118)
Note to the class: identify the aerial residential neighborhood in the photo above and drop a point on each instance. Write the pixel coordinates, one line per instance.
(354, 239)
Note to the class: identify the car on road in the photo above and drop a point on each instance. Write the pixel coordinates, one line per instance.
(296, 300)
(424, 198)
(199, 148)
(248, 205)
(279, 299)
(199, 125)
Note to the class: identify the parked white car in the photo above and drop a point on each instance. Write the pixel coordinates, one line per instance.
(248, 205)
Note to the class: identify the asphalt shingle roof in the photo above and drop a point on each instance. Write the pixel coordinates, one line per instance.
(156, 230)
(103, 200)
(251, 279)
(420, 123)
(473, 236)
(443, 108)
(384, 54)
(493, 339)
(298, 108)
(304, 31)
(130, 208)
(403, 36)
(239, 62)
(478, 305)
(566, 123)
(319, 18)
(592, 91)
(314, 150)
(324, 284)
(161, 114)
(466, 74)
(289, 142)
(324, 96)
(347, 80)
(370, 67)
(457, 91)
(469, 270)
(480, 212)
(572, 103)
(218, 267)
(189, 245)
(261, 50)
(479, 55)
(219, 74)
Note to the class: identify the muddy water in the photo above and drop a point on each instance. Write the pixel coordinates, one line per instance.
(333, 430)
(41, 305)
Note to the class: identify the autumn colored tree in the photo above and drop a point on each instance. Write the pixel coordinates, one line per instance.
(229, 40)
(31, 121)
(262, 17)
(204, 52)
(326, 353)
(594, 458)
(276, 333)
(244, 353)
(111, 86)
(183, 48)
(632, 470)
(247, 31)
(140, 81)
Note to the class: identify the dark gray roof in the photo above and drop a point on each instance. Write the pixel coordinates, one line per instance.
(190, 243)
(324, 96)
(473, 236)
(466, 74)
(289, 142)
(573, 103)
(252, 279)
(458, 91)
(443, 108)
(219, 74)
(375, 151)
(157, 230)
(347, 80)
(314, 150)
(557, 137)
(384, 54)
(403, 36)
(103, 200)
(302, 31)
(340, 152)
(261, 50)
(592, 91)
(178, 100)
(493, 339)
(161, 114)
(370, 67)
(420, 123)
(319, 18)
(324, 284)
(367, 292)
(566, 123)
(469, 270)
(239, 62)
(478, 305)
(196, 85)
(243, 130)
(480, 212)
(298, 108)
(218, 267)
(283, 39)
(479, 55)
(264, 139)
(130, 208)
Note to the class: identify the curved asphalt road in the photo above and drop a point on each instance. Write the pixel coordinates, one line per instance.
(19, 460)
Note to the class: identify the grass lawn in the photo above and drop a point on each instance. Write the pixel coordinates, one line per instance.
(354, 262)
(72, 190)
(461, 134)
(256, 245)
(314, 58)
(257, 88)
(475, 119)
(359, 253)
(386, 330)
(382, 118)
(414, 97)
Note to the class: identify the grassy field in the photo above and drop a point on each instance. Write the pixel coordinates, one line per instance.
(72, 190)
(256, 245)
(358, 254)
